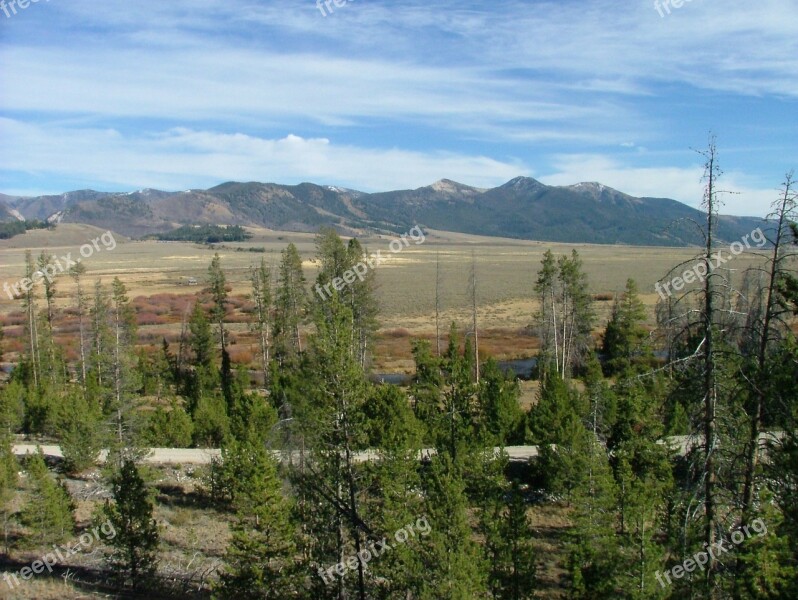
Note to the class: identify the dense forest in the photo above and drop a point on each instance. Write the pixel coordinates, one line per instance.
(439, 512)
(205, 234)
(9, 230)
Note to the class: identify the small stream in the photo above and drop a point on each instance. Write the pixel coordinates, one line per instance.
(522, 368)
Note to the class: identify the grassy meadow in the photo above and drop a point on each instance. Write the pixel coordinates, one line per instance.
(157, 273)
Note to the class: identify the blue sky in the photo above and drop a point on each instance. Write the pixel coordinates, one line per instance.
(118, 95)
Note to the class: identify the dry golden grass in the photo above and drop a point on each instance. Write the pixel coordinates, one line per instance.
(49, 588)
(506, 273)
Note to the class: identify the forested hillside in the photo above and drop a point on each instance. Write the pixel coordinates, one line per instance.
(522, 208)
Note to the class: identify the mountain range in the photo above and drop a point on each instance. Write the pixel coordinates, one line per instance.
(522, 208)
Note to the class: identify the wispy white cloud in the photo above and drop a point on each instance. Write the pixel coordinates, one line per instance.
(181, 158)
(679, 183)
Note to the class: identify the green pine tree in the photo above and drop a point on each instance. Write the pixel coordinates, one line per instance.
(12, 407)
(80, 432)
(171, 428)
(498, 396)
(389, 420)
(211, 423)
(135, 540)
(503, 524)
(217, 286)
(9, 469)
(260, 560)
(290, 304)
(557, 405)
(204, 379)
(454, 567)
(594, 560)
(624, 337)
(49, 512)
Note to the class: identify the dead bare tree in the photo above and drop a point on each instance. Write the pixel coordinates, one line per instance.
(77, 272)
(437, 302)
(472, 284)
(711, 173)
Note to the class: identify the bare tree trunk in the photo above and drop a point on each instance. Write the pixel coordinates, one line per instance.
(474, 316)
(118, 382)
(437, 302)
(182, 344)
(81, 332)
(710, 384)
(34, 350)
(554, 328)
(752, 458)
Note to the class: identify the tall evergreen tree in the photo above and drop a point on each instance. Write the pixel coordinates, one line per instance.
(80, 431)
(203, 380)
(455, 424)
(77, 272)
(49, 512)
(135, 534)
(768, 326)
(337, 262)
(290, 304)
(260, 278)
(456, 570)
(507, 546)
(337, 416)
(31, 327)
(217, 287)
(260, 557)
(565, 317)
(624, 336)
(498, 396)
(125, 369)
(594, 555)
(425, 389)
(558, 404)
(101, 362)
(361, 297)
(9, 469)
(52, 366)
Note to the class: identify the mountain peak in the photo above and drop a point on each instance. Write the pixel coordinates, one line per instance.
(524, 184)
(592, 187)
(451, 187)
(589, 186)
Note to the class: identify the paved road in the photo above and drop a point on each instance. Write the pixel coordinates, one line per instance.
(200, 456)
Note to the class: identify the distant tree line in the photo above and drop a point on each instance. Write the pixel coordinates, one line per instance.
(9, 230)
(205, 234)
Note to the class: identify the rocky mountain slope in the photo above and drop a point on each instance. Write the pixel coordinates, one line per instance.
(522, 208)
